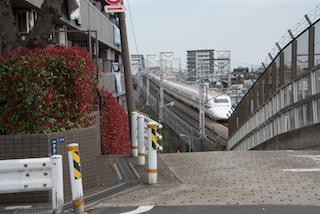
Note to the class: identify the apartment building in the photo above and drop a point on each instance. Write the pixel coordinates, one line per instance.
(198, 58)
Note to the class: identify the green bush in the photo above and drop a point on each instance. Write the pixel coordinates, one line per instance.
(46, 90)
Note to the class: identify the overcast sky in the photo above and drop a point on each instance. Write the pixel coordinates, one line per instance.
(248, 28)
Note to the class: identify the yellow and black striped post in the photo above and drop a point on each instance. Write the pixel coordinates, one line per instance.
(152, 153)
(75, 177)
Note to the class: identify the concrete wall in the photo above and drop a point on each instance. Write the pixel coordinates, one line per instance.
(108, 81)
(306, 138)
(39, 145)
(92, 18)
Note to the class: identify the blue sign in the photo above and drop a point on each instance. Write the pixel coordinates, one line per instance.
(54, 144)
(60, 140)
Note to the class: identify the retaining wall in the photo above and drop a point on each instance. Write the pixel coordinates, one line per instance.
(39, 145)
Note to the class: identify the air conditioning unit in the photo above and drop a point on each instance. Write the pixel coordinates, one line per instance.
(26, 20)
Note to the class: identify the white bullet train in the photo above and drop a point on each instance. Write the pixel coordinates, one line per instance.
(217, 105)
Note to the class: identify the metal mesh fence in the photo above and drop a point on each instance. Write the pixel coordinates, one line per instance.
(85, 39)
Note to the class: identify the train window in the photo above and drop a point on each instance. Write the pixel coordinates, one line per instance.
(220, 100)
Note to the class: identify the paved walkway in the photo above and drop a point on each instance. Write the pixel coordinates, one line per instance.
(227, 178)
(214, 178)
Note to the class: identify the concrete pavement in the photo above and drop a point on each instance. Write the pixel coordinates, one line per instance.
(254, 178)
(227, 178)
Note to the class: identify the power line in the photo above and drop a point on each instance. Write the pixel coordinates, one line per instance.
(244, 63)
(134, 36)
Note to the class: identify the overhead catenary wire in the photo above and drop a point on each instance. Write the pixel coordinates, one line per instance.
(134, 36)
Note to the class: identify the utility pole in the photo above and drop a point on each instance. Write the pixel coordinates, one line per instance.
(167, 54)
(152, 56)
(202, 124)
(127, 70)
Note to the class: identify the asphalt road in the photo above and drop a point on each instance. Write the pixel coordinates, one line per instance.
(211, 209)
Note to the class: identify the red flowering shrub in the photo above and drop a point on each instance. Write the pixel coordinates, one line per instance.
(115, 132)
(46, 90)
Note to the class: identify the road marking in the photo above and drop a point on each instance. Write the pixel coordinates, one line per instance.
(140, 209)
(18, 207)
(301, 170)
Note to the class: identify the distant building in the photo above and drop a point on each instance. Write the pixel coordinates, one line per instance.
(194, 61)
(137, 59)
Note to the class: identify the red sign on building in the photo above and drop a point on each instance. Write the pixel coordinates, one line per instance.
(113, 1)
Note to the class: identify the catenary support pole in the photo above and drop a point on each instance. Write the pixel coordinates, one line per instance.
(127, 66)
(141, 147)
(152, 154)
(76, 178)
(134, 134)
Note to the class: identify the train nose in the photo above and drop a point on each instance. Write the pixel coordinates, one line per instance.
(221, 114)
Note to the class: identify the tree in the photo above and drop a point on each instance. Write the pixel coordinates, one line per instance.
(48, 16)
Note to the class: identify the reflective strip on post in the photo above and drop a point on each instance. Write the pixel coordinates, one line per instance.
(141, 146)
(134, 134)
(152, 154)
(75, 177)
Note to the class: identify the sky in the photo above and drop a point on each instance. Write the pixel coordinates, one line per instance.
(247, 28)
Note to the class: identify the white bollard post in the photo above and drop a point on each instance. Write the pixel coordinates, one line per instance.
(134, 133)
(152, 153)
(57, 184)
(75, 177)
(141, 147)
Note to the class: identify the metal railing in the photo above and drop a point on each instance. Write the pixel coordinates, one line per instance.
(302, 25)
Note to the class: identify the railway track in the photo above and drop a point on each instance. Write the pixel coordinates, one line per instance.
(217, 133)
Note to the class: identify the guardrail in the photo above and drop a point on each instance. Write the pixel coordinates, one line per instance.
(34, 174)
(144, 139)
